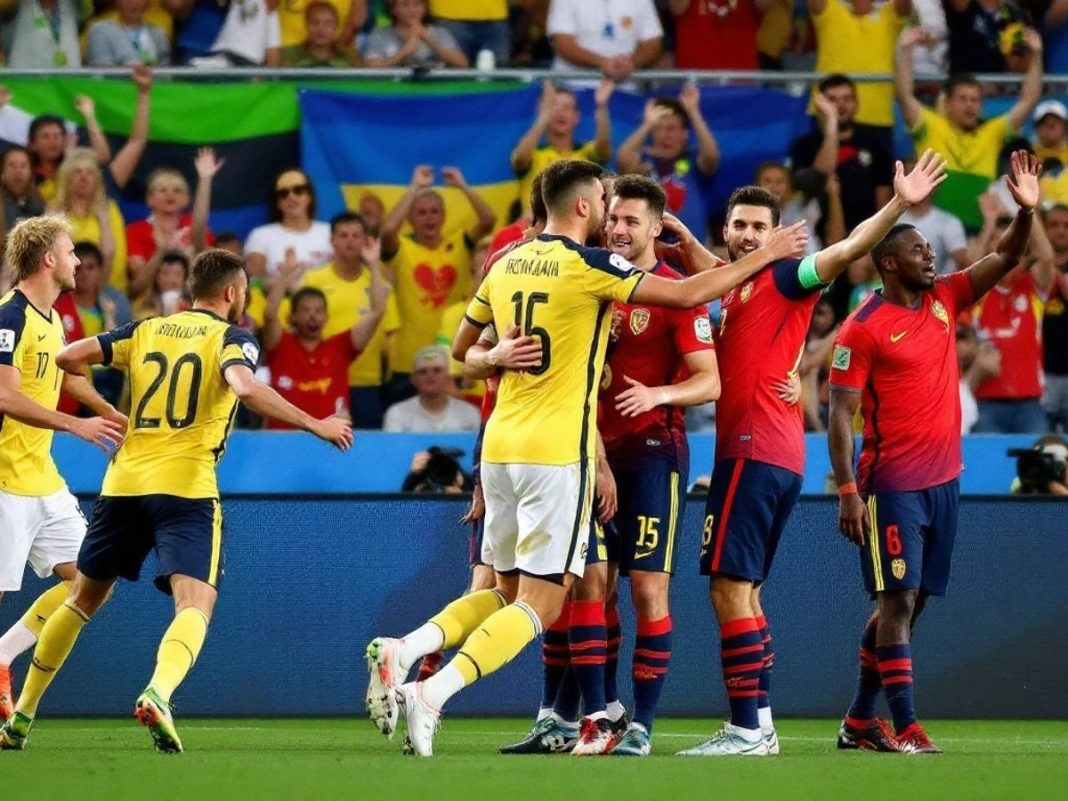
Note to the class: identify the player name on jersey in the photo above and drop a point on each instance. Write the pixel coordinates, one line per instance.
(534, 267)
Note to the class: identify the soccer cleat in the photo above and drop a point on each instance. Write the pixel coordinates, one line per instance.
(619, 727)
(385, 676)
(549, 736)
(154, 713)
(595, 738)
(14, 732)
(636, 741)
(771, 739)
(914, 740)
(876, 737)
(423, 720)
(7, 705)
(730, 741)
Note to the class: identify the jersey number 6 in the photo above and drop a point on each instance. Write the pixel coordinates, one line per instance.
(525, 320)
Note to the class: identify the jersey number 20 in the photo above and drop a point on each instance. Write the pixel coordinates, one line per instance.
(193, 369)
(525, 320)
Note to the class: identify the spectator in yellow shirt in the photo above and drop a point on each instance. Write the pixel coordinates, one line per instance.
(476, 25)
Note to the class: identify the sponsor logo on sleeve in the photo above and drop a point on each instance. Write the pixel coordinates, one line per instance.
(702, 329)
(842, 356)
(621, 264)
(252, 353)
(7, 340)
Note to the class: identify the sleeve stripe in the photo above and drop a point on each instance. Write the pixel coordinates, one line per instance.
(231, 362)
(474, 322)
(634, 289)
(485, 303)
(105, 347)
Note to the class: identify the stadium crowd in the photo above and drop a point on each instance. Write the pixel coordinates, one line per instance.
(347, 308)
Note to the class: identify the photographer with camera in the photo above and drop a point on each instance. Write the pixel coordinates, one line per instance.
(437, 470)
(1042, 469)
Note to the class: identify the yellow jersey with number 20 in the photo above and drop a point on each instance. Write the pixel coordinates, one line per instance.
(181, 407)
(560, 293)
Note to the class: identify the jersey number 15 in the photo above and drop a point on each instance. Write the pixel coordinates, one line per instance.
(525, 320)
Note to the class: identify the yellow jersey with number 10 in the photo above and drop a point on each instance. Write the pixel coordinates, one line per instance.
(181, 407)
(560, 293)
(29, 342)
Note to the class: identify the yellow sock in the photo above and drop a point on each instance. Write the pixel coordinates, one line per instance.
(54, 645)
(178, 650)
(44, 607)
(497, 641)
(462, 616)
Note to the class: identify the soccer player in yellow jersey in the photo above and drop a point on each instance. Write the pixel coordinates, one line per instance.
(187, 373)
(40, 521)
(539, 444)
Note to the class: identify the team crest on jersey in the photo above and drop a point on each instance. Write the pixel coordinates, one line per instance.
(702, 329)
(747, 290)
(1055, 307)
(897, 567)
(939, 311)
(1020, 303)
(639, 321)
(7, 340)
(841, 358)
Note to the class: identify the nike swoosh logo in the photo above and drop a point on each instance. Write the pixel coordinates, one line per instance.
(896, 337)
(41, 336)
(643, 555)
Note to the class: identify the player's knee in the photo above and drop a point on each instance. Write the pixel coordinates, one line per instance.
(896, 609)
(592, 585)
(650, 595)
(731, 598)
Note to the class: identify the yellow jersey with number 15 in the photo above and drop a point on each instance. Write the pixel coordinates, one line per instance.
(560, 293)
(29, 342)
(181, 408)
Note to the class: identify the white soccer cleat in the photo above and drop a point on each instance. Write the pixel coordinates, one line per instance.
(595, 738)
(423, 719)
(731, 741)
(771, 739)
(385, 676)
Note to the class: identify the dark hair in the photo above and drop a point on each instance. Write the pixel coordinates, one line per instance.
(393, 17)
(273, 211)
(1053, 208)
(888, 242)
(754, 196)
(559, 180)
(538, 212)
(343, 217)
(227, 236)
(638, 187)
(306, 292)
(213, 271)
(35, 125)
(314, 5)
(676, 108)
(173, 256)
(84, 250)
(958, 79)
(834, 81)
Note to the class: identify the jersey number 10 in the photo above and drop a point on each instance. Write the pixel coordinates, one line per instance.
(525, 320)
(195, 372)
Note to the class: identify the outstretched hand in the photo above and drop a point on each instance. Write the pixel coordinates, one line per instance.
(1023, 183)
(787, 241)
(929, 172)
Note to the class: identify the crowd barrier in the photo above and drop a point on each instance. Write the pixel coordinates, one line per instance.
(309, 580)
(286, 462)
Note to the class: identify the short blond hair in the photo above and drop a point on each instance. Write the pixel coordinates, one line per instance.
(30, 240)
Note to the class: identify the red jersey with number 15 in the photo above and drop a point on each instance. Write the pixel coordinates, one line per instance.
(904, 363)
(762, 332)
(647, 343)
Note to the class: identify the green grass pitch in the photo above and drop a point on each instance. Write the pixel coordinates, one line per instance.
(347, 759)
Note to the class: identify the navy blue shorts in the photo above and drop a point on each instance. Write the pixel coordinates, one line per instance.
(650, 500)
(597, 544)
(748, 505)
(185, 533)
(911, 544)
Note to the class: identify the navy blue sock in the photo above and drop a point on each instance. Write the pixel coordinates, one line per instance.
(568, 697)
(764, 699)
(555, 656)
(742, 655)
(611, 660)
(588, 646)
(863, 709)
(895, 671)
(652, 653)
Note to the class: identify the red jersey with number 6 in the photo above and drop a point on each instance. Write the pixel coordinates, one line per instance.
(762, 332)
(903, 361)
(646, 344)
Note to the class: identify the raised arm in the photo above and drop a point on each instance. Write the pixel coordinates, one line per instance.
(853, 519)
(689, 253)
(422, 178)
(207, 168)
(711, 284)
(265, 402)
(97, 141)
(365, 328)
(629, 155)
(125, 162)
(278, 286)
(707, 148)
(826, 160)
(523, 153)
(1023, 185)
(1031, 88)
(602, 136)
(904, 83)
(928, 173)
(486, 218)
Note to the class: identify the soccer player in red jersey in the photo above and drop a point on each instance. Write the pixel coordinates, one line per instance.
(310, 372)
(894, 355)
(760, 444)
